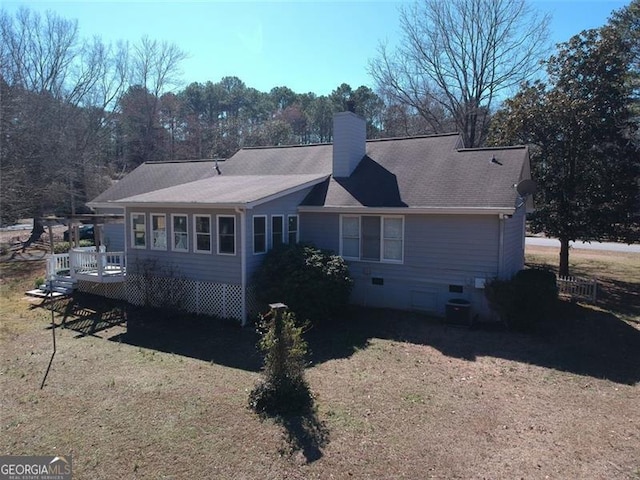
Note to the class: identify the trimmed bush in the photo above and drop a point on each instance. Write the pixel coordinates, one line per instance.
(525, 300)
(284, 389)
(314, 283)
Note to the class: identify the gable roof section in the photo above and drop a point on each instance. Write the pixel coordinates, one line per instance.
(226, 191)
(426, 173)
(286, 160)
(152, 176)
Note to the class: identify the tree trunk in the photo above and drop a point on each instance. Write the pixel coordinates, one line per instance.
(564, 257)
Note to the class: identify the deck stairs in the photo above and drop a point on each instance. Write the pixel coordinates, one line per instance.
(59, 286)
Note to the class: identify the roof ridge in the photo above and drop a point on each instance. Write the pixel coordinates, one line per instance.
(481, 149)
(411, 137)
(264, 147)
(195, 160)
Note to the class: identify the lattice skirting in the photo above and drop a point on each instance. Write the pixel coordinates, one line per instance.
(219, 299)
(109, 290)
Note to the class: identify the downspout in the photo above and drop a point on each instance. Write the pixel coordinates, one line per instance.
(501, 245)
(243, 264)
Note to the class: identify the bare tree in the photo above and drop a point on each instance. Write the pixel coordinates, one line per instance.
(58, 91)
(458, 57)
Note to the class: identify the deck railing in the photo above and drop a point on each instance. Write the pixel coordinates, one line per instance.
(88, 264)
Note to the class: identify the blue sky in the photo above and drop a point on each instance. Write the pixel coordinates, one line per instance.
(306, 45)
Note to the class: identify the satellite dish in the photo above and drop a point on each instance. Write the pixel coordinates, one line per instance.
(526, 187)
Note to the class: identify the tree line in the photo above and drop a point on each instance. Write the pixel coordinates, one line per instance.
(76, 113)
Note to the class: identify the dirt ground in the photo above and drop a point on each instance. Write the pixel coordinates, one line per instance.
(398, 395)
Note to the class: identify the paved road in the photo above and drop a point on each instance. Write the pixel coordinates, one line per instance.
(613, 247)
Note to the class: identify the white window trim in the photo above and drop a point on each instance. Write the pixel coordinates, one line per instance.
(195, 234)
(173, 246)
(235, 246)
(266, 234)
(297, 225)
(282, 229)
(359, 217)
(166, 228)
(133, 232)
(382, 239)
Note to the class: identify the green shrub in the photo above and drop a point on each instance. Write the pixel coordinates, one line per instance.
(38, 282)
(314, 283)
(525, 300)
(284, 389)
(64, 247)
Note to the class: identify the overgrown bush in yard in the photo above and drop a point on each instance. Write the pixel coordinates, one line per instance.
(314, 283)
(524, 300)
(284, 389)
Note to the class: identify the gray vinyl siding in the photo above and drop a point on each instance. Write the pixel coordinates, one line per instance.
(191, 265)
(113, 233)
(439, 251)
(284, 206)
(514, 243)
(321, 230)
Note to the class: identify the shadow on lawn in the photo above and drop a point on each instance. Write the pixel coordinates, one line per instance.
(580, 339)
(222, 342)
(87, 314)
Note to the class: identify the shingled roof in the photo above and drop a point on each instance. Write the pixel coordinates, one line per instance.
(428, 172)
(152, 176)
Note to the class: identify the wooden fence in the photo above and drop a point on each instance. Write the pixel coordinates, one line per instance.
(578, 288)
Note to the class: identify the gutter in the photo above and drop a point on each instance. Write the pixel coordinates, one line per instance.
(409, 210)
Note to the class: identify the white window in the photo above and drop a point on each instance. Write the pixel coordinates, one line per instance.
(158, 231)
(180, 242)
(372, 238)
(392, 239)
(292, 229)
(202, 233)
(277, 230)
(259, 234)
(226, 235)
(138, 230)
(351, 237)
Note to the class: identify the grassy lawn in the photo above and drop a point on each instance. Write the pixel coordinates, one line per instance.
(398, 395)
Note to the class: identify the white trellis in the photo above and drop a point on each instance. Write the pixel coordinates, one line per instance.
(207, 298)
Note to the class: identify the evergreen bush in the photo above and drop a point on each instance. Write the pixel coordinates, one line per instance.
(526, 299)
(284, 389)
(314, 283)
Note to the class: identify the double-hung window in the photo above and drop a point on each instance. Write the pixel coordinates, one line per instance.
(180, 242)
(259, 234)
(226, 235)
(202, 233)
(138, 230)
(292, 229)
(277, 230)
(158, 231)
(372, 238)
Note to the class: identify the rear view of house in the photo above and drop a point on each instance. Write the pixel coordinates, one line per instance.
(419, 220)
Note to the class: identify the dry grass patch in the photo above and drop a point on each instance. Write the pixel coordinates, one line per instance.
(398, 395)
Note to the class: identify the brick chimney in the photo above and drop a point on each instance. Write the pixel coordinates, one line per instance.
(349, 142)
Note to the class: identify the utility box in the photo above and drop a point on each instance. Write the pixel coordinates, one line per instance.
(458, 312)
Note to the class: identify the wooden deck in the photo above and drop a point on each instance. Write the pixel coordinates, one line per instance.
(88, 265)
